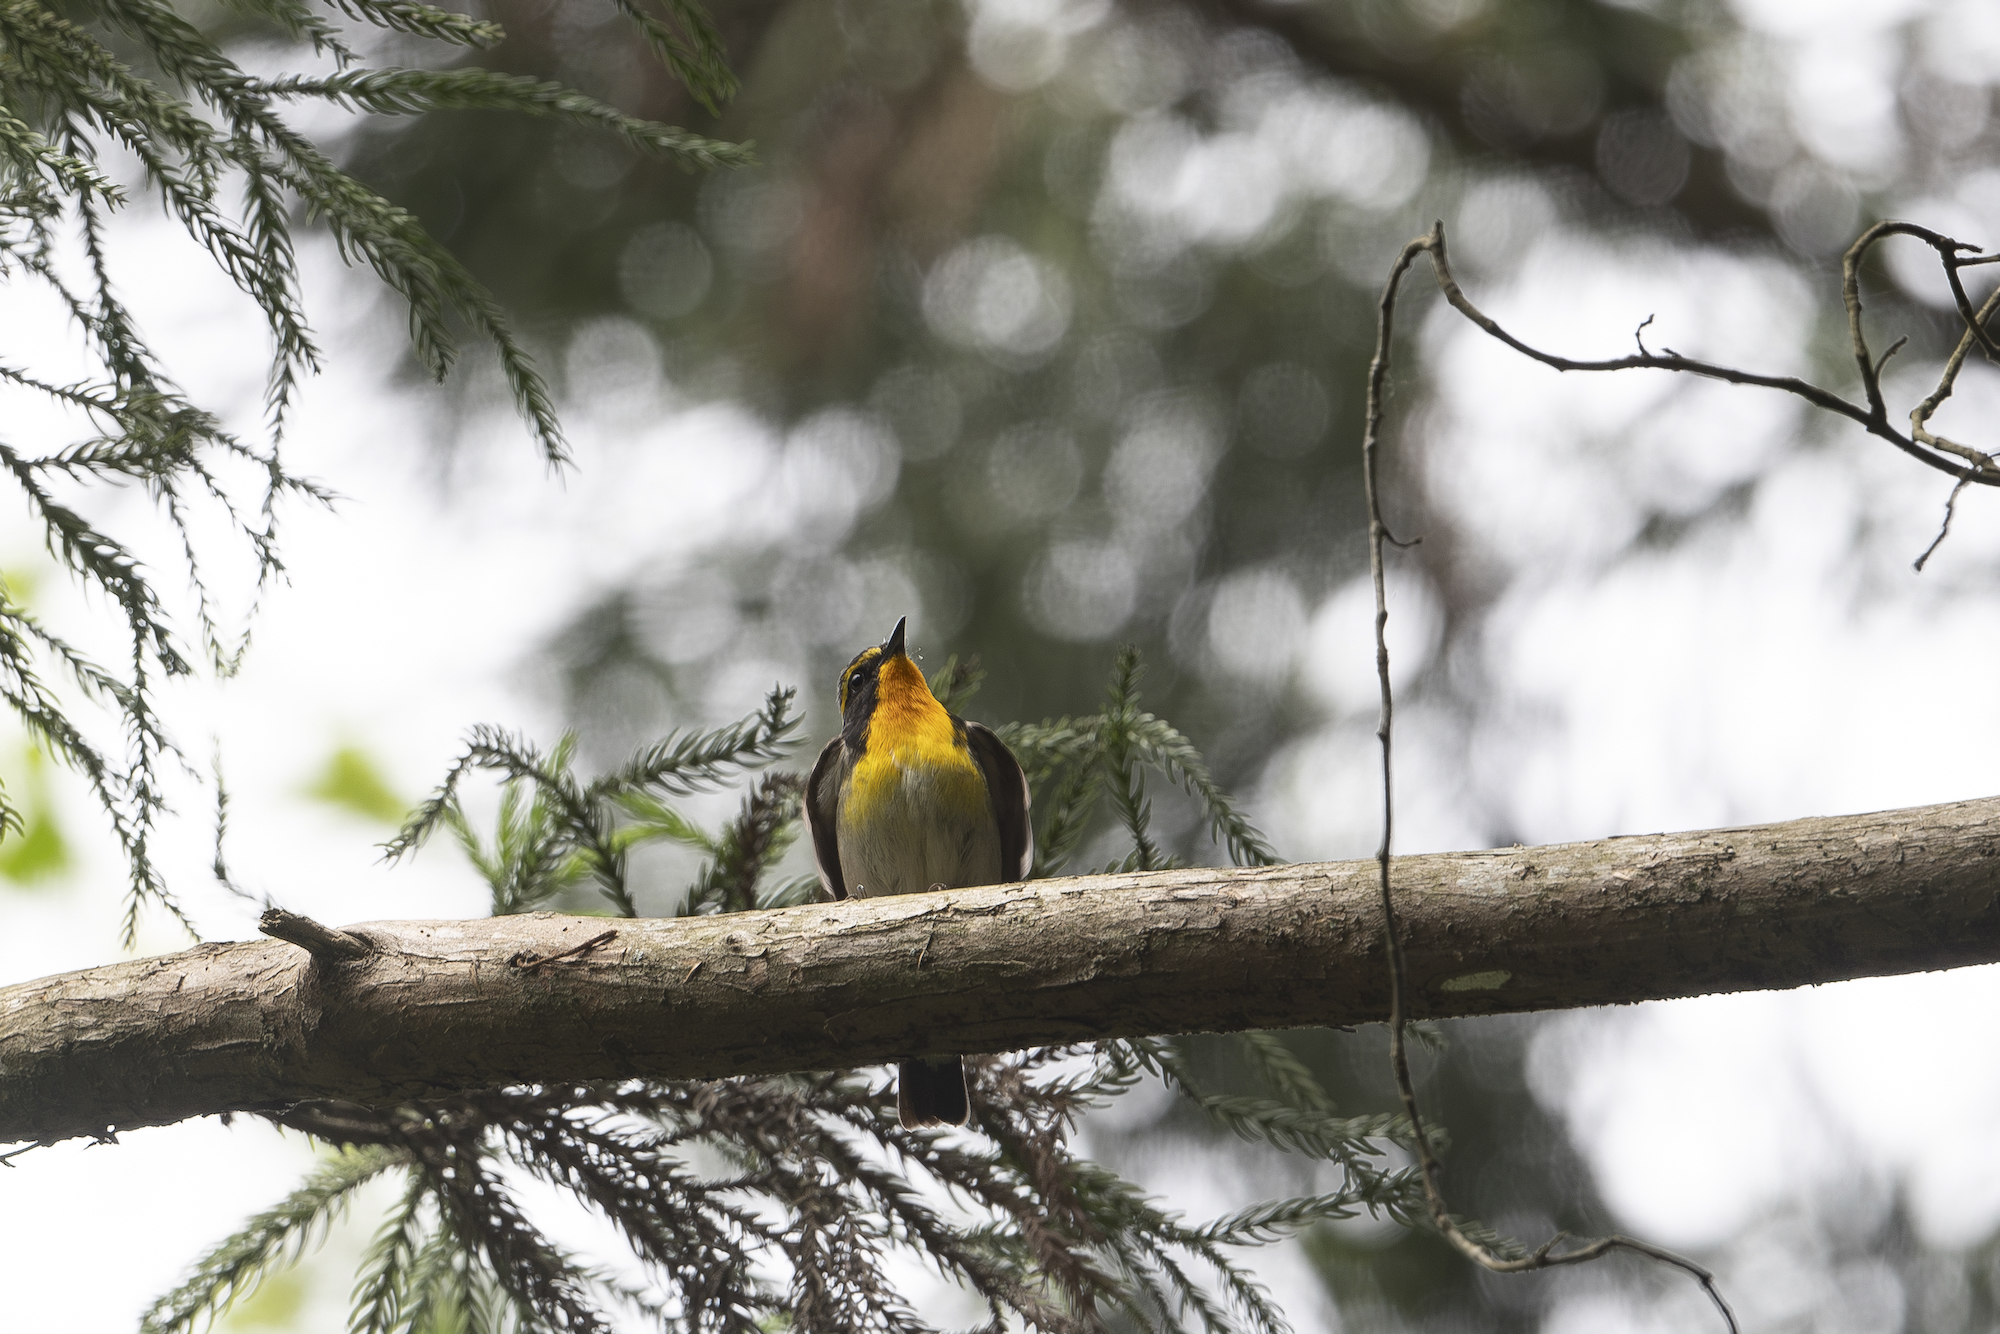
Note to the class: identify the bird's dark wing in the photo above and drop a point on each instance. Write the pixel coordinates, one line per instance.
(1007, 788)
(822, 806)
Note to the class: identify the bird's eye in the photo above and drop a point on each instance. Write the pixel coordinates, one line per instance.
(858, 673)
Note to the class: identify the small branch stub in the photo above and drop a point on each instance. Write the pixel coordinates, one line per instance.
(322, 942)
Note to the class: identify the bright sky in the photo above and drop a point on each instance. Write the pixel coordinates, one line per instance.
(1785, 665)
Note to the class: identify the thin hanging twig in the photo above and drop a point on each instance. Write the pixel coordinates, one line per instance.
(1546, 1256)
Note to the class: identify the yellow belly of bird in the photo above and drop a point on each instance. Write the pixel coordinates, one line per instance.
(916, 817)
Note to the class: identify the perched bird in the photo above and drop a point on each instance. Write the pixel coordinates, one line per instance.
(910, 797)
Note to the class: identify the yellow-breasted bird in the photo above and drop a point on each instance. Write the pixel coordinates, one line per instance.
(910, 797)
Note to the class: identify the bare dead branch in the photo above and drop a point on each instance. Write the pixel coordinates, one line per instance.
(1933, 452)
(1921, 414)
(1944, 529)
(1893, 349)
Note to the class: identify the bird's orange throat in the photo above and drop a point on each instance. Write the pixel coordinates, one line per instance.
(911, 739)
(908, 722)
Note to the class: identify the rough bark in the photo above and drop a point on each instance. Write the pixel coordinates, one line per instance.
(438, 1007)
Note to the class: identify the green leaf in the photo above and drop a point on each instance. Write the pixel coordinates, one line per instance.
(32, 846)
(38, 853)
(276, 1304)
(350, 781)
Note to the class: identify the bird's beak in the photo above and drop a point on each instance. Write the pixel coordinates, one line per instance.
(893, 646)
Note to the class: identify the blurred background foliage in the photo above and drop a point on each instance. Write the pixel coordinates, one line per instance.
(350, 781)
(1061, 311)
(1056, 315)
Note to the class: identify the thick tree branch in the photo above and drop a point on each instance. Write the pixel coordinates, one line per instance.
(442, 1007)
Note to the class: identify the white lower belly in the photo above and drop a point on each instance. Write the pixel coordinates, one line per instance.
(906, 847)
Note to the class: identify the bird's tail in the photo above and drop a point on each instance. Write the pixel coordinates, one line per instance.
(932, 1092)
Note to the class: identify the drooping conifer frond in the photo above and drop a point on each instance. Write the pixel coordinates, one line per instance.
(793, 1202)
(270, 1241)
(218, 150)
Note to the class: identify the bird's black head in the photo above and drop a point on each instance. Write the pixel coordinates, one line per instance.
(858, 682)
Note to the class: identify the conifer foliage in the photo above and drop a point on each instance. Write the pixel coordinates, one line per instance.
(102, 90)
(748, 1204)
(785, 1202)
(1106, 755)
